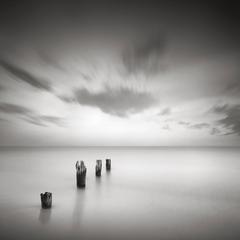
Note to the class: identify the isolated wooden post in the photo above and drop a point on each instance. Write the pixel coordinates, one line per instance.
(46, 200)
(108, 164)
(98, 168)
(81, 174)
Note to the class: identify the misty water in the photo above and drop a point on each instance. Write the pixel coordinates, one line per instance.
(150, 193)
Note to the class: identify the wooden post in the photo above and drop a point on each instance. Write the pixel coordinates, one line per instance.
(81, 174)
(46, 200)
(108, 164)
(98, 168)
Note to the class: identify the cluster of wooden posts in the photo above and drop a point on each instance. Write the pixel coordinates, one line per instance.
(81, 171)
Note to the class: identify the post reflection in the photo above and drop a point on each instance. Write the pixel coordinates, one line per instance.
(79, 203)
(44, 215)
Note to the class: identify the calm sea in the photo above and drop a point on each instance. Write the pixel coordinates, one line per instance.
(150, 193)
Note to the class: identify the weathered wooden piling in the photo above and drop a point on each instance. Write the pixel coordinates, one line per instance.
(98, 168)
(81, 174)
(46, 200)
(108, 164)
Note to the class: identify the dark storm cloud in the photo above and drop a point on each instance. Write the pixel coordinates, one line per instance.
(146, 57)
(25, 76)
(231, 121)
(118, 102)
(30, 116)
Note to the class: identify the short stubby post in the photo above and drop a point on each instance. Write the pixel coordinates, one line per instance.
(81, 174)
(46, 200)
(108, 164)
(98, 168)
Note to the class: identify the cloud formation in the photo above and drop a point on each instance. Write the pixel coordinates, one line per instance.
(86, 77)
(25, 76)
(199, 125)
(67, 99)
(184, 123)
(233, 87)
(194, 125)
(2, 120)
(146, 56)
(43, 120)
(51, 119)
(30, 116)
(215, 131)
(184, 56)
(13, 109)
(231, 121)
(50, 61)
(165, 111)
(118, 102)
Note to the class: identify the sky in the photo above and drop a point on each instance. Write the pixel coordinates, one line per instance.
(115, 73)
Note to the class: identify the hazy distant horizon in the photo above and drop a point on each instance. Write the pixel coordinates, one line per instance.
(119, 146)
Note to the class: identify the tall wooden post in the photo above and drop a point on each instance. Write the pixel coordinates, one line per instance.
(46, 200)
(108, 164)
(81, 174)
(98, 168)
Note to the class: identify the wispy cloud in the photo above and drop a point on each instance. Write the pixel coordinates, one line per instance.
(231, 120)
(194, 125)
(86, 77)
(67, 99)
(43, 120)
(166, 127)
(30, 116)
(184, 123)
(145, 57)
(233, 87)
(165, 111)
(220, 108)
(25, 76)
(118, 102)
(52, 119)
(13, 109)
(215, 131)
(3, 120)
(33, 120)
(199, 125)
(50, 61)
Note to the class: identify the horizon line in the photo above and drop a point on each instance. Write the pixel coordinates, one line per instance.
(120, 146)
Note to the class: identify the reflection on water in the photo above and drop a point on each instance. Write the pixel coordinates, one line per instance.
(98, 184)
(150, 193)
(78, 209)
(45, 215)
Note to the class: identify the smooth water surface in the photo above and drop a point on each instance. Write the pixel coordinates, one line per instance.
(150, 193)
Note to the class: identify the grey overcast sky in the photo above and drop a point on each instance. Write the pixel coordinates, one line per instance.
(82, 73)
